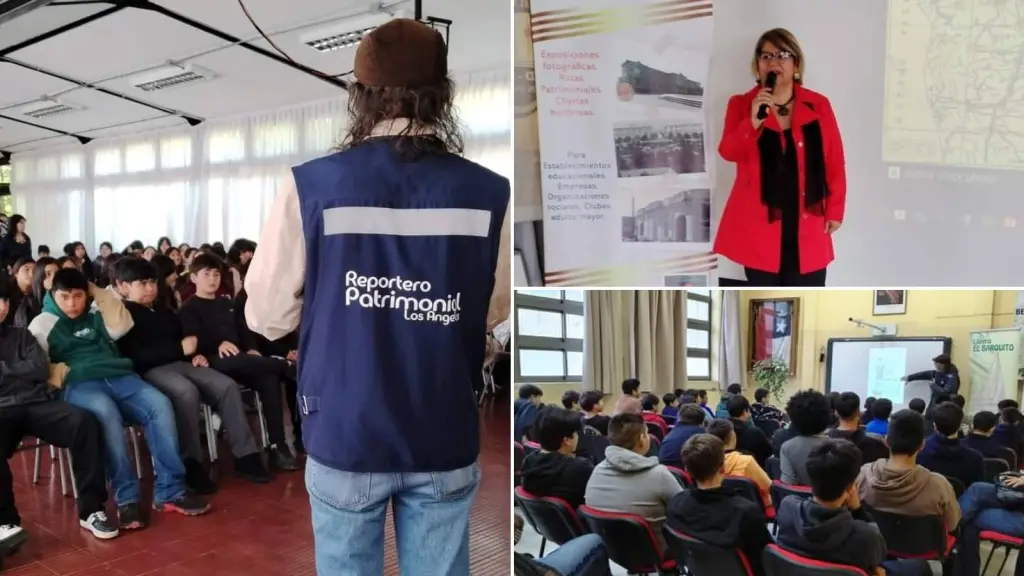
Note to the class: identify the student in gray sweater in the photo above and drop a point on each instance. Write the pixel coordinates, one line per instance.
(627, 480)
(810, 412)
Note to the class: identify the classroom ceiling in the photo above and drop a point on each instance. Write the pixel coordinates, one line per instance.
(86, 69)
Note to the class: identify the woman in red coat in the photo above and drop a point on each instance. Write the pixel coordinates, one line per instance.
(790, 190)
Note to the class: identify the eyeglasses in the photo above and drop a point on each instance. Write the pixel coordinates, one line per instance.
(782, 55)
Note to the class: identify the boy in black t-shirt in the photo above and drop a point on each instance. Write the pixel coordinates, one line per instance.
(592, 404)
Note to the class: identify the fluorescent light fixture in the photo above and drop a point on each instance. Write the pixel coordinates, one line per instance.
(343, 34)
(47, 108)
(171, 76)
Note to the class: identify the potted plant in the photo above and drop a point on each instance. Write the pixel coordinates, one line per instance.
(771, 374)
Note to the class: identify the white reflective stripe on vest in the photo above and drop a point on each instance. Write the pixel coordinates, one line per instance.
(407, 221)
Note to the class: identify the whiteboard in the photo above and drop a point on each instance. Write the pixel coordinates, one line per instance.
(874, 366)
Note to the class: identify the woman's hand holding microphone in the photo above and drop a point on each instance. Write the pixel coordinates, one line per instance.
(763, 98)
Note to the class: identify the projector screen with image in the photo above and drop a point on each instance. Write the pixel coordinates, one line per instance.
(929, 97)
(876, 366)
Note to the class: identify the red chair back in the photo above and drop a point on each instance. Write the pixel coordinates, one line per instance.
(519, 454)
(913, 537)
(531, 447)
(552, 518)
(682, 475)
(780, 562)
(704, 558)
(780, 490)
(654, 429)
(629, 540)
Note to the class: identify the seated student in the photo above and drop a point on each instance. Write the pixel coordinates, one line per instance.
(630, 393)
(592, 404)
(555, 470)
(965, 426)
(525, 410)
(762, 411)
(28, 409)
(44, 251)
(627, 480)
(980, 438)
(582, 556)
(85, 363)
(649, 406)
(749, 438)
(832, 526)
(671, 409)
(739, 464)
(848, 410)
(1010, 431)
(943, 452)
(880, 412)
(866, 416)
(722, 410)
(167, 359)
(713, 513)
(833, 419)
(702, 401)
(690, 423)
(918, 405)
(571, 400)
(230, 350)
(983, 511)
(898, 484)
(809, 411)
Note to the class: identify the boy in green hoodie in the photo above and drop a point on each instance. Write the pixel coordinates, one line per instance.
(85, 363)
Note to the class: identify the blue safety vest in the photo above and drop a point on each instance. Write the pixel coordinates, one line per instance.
(400, 263)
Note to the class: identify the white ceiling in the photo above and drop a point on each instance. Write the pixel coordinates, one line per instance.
(106, 51)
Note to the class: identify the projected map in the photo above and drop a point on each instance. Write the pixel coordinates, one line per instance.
(954, 90)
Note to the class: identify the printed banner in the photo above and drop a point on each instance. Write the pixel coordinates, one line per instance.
(994, 359)
(620, 99)
(527, 157)
(1018, 319)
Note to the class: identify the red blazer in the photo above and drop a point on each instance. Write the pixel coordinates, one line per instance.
(745, 235)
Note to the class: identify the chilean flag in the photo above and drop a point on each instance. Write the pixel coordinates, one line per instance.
(773, 331)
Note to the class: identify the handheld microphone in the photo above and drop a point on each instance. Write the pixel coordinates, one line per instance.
(769, 83)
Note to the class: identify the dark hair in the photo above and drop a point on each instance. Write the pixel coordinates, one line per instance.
(721, 429)
(107, 274)
(553, 425)
(985, 421)
(917, 405)
(1011, 416)
(832, 397)
(108, 245)
(136, 245)
(832, 467)
(868, 402)
(527, 391)
(630, 385)
(947, 418)
(165, 267)
(6, 290)
(64, 260)
(19, 263)
(958, 400)
(734, 389)
(43, 248)
(649, 402)
(944, 360)
(703, 456)
(590, 399)
(206, 261)
(668, 399)
(569, 398)
(847, 405)
(881, 409)
(905, 434)
(687, 399)
(1007, 403)
(134, 269)
(809, 411)
(737, 405)
(760, 394)
(690, 414)
(700, 393)
(678, 392)
(238, 247)
(161, 241)
(218, 250)
(68, 279)
(625, 429)
(12, 225)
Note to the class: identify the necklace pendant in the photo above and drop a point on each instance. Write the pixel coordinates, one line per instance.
(783, 111)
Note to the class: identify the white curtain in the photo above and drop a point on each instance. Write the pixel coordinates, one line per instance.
(214, 182)
(730, 364)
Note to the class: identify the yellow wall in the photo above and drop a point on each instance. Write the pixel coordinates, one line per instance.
(825, 314)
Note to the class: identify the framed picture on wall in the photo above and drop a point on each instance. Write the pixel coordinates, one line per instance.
(774, 331)
(889, 302)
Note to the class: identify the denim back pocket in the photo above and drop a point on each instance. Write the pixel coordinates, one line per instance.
(456, 484)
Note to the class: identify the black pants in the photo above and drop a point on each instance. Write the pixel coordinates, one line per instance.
(785, 277)
(291, 391)
(263, 375)
(64, 426)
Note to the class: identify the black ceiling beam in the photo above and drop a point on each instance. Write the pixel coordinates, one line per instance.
(192, 120)
(13, 8)
(61, 29)
(82, 139)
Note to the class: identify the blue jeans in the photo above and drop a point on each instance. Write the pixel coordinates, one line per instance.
(906, 568)
(581, 556)
(982, 511)
(431, 515)
(140, 404)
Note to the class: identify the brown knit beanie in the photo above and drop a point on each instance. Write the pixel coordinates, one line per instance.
(402, 53)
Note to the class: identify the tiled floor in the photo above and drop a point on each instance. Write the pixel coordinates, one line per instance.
(253, 530)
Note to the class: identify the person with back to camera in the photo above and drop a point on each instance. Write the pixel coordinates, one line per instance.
(789, 195)
(945, 379)
(810, 412)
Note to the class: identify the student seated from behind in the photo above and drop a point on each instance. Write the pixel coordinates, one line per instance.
(749, 438)
(592, 404)
(722, 410)
(671, 409)
(1010, 430)
(525, 409)
(980, 438)
(880, 412)
(627, 480)
(571, 401)
(739, 464)
(555, 470)
(965, 426)
(44, 251)
(690, 423)
(702, 401)
(28, 409)
(832, 526)
(943, 452)
(847, 408)
(85, 363)
(918, 405)
(898, 484)
(167, 359)
(630, 393)
(713, 513)
(762, 411)
(810, 412)
(231, 350)
(649, 406)
(833, 420)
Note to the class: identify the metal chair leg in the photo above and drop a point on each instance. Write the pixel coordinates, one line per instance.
(39, 457)
(63, 479)
(135, 447)
(211, 434)
(71, 467)
(263, 422)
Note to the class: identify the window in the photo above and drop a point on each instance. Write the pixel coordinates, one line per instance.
(698, 335)
(549, 335)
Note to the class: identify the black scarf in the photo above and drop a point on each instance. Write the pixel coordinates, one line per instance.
(777, 174)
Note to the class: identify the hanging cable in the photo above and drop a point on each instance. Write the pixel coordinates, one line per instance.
(248, 16)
